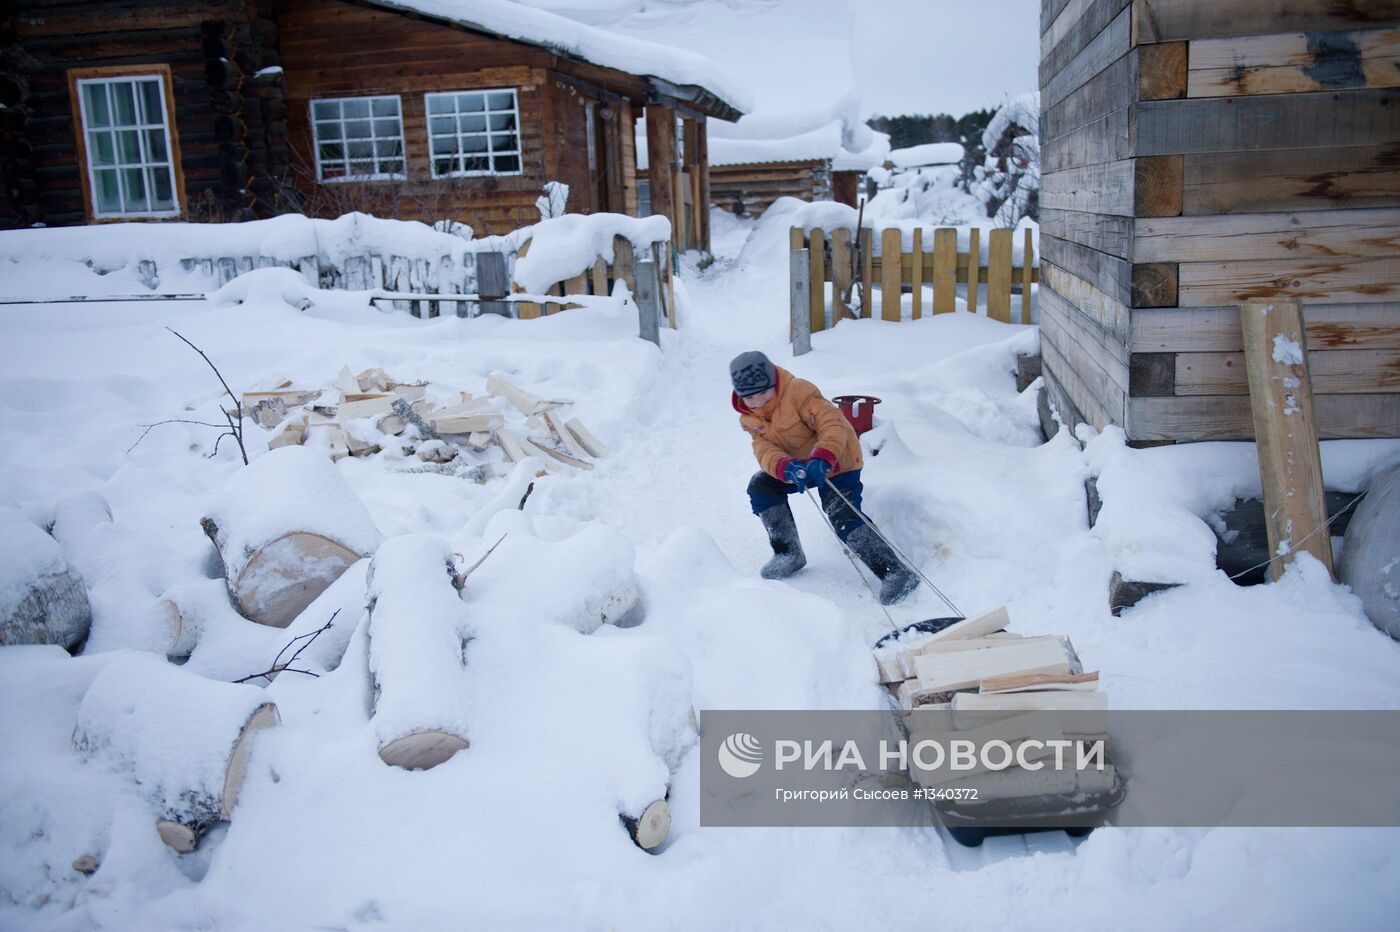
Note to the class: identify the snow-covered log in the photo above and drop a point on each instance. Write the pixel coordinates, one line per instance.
(1370, 562)
(182, 739)
(286, 527)
(590, 579)
(42, 598)
(649, 829)
(418, 637)
(191, 608)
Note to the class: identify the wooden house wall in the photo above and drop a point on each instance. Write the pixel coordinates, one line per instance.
(757, 186)
(1197, 155)
(221, 141)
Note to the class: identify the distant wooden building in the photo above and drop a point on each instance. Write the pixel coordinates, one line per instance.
(1198, 154)
(236, 109)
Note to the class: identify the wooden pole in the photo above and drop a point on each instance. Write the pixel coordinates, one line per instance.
(661, 166)
(648, 296)
(974, 267)
(1290, 464)
(816, 279)
(916, 276)
(867, 272)
(1027, 265)
(799, 302)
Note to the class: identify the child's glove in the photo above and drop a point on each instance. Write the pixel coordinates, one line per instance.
(795, 473)
(817, 469)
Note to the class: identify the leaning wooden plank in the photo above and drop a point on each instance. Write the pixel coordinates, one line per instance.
(1000, 684)
(286, 527)
(418, 627)
(556, 429)
(948, 672)
(581, 435)
(182, 739)
(515, 452)
(526, 403)
(535, 448)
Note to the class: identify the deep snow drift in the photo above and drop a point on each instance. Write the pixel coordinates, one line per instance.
(568, 730)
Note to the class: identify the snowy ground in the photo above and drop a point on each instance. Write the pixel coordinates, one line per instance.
(521, 830)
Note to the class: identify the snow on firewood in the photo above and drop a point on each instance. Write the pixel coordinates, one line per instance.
(566, 246)
(418, 646)
(344, 601)
(286, 527)
(42, 599)
(183, 740)
(583, 581)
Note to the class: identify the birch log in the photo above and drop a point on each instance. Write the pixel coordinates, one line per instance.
(182, 739)
(418, 638)
(286, 527)
(42, 598)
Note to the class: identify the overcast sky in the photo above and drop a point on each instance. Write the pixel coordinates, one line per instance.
(944, 56)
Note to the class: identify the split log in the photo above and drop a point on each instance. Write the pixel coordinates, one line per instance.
(191, 608)
(650, 828)
(418, 638)
(42, 597)
(585, 440)
(526, 403)
(286, 527)
(537, 448)
(182, 739)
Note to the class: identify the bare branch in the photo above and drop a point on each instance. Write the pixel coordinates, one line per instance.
(235, 426)
(173, 420)
(279, 667)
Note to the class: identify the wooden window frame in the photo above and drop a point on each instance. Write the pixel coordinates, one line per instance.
(519, 132)
(172, 138)
(376, 177)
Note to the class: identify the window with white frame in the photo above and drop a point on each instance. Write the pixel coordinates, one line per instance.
(474, 133)
(358, 138)
(126, 141)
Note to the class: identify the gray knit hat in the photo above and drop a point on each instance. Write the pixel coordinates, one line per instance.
(752, 373)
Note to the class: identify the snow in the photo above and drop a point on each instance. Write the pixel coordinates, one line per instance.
(933, 153)
(659, 59)
(1287, 352)
(569, 730)
(566, 246)
(28, 557)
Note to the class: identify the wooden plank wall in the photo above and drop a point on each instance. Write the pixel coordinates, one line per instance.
(757, 186)
(1198, 155)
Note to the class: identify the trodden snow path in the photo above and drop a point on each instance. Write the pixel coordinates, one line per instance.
(521, 830)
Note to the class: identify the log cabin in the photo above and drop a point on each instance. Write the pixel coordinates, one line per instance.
(415, 109)
(1197, 155)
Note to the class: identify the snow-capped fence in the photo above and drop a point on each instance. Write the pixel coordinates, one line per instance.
(855, 269)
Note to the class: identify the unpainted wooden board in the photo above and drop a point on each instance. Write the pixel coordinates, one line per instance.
(1111, 43)
(1111, 351)
(1296, 62)
(816, 281)
(1110, 234)
(1274, 121)
(1165, 20)
(974, 268)
(1291, 179)
(1110, 314)
(1101, 370)
(1210, 284)
(1097, 189)
(1093, 394)
(1337, 372)
(916, 273)
(1111, 90)
(1105, 140)
(891, 248)
(1162, 71)
(945, 251)
(999, 274)
(1217, 329)
(1158, 185)
(1076, 26)
(1282, 235)
(1227, 417)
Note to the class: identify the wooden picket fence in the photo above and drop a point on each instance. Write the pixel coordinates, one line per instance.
(854, 268)
(598, 280)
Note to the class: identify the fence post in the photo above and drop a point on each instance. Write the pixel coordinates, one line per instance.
(800, 301)
(1027, 269)
(841, 271)
(945, 270)
(1290, 464)
(891, 251)
(648, 298)
(974, 267)
(999, 275)
(867, 272)
(816, 280)
(916, 275)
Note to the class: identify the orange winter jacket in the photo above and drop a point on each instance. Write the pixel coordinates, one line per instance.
(799, 424)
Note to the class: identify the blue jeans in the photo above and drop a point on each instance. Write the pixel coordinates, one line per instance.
(766, 491)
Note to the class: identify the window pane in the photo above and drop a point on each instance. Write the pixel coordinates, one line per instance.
(473, 143)
(332, 150)
(388, 147)
(155, 145)
(507, 163)
(328, 130)
(109, 197)
(333, 170)
(503, 121)
(477, 164)
(437, 104)
(357, 129)
(503, 100)
(443, 125)
(472, 124)
(128, 148)
(384, 128)
(150, 103)
(158, 182)
(355, 108)
(471, 103)
(326, 109)
(392, 167)
(361, 150)
(504, 143)
(102, 149)
(386, 106)
(133, 189)
(444, 166)
(95, 99)
(124, 105)
(361, 168)
(444, 145)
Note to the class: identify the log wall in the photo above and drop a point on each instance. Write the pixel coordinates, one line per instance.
(1198, 155)
(756, 187)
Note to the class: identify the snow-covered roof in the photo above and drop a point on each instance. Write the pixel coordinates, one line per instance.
(933, 153)
(825, 143)
(578, 40)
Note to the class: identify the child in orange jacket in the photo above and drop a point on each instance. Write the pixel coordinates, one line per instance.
(803, 441)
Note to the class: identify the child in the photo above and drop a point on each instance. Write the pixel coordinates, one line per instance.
(803, 441)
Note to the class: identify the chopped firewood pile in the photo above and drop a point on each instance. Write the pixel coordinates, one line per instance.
(977, 666)
(451, 433)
